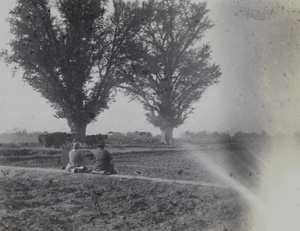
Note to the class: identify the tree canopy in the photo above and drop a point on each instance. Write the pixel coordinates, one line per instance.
(69, 51)
(170, 66)
(76, 53)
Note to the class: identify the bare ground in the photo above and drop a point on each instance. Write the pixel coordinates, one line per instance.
(158, 191)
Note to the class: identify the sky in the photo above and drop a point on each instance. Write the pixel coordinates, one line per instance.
(255, 43)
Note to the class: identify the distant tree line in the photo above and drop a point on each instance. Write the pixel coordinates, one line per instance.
(22, 136)
(222, 136)
(205, 135)
(19, 137)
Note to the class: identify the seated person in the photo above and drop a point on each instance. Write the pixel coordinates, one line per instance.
(75, 160)
(103, 163)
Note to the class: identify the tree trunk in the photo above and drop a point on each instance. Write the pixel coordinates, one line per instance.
(78, 130)
(166, 135)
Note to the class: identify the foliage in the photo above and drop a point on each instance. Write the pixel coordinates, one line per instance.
(170, 69)
(69, 51)
(19, 137)
(203, 136)
(132, 137)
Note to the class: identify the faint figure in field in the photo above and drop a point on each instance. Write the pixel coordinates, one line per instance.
(103, 163)
(75, 163)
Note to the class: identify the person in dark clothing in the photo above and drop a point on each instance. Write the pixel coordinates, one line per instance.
(103, 163)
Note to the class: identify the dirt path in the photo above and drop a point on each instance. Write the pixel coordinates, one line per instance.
(5, 170)
(170, 181)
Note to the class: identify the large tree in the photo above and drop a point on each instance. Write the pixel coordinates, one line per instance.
(69, 51)
(170, 67)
